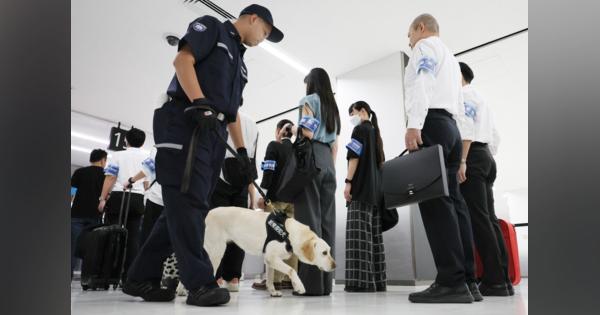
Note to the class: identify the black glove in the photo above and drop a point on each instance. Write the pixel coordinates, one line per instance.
(247, 170)
(201, 113)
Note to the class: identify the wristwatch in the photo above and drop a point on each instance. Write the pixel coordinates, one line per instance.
(101, 199)
(130, 180)
(347, 181)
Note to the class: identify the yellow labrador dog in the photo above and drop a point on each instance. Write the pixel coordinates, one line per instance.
(248, 230)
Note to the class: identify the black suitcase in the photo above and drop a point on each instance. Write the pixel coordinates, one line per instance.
(103, 249)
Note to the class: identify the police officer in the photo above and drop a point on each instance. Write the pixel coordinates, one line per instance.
(189, 131)
(436, 115)
(477, 176)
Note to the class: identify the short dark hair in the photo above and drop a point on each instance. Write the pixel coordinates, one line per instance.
(97, 155)
(284, 122)
(135, 137)
(466, 71)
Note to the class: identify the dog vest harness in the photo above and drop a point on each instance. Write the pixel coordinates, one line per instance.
(276, 230)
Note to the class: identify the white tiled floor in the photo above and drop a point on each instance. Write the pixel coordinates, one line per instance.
(249, 301)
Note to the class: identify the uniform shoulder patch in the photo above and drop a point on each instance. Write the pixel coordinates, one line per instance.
(470, 110)
(268, 165)
(199, 27)
(355, 146)
(427, 64)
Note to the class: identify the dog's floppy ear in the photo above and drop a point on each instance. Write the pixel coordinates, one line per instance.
(308, 249)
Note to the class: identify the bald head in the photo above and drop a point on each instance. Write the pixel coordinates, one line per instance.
(422, 27)
(429, 22)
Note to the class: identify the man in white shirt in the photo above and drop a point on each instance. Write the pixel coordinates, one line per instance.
(476, 188)
(121, 167)
(436, 115)
(229, 191)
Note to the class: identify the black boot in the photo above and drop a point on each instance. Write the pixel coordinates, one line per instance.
(475, 291)
(169, 283)
(210, 295)
(493, 289)
(511, 290)
(149, 291)
(440, 294)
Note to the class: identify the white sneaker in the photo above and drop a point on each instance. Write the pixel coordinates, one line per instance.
(233, 287)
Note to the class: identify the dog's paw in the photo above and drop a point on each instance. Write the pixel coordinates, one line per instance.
(276, 294)
(300, 290)
(298, 287)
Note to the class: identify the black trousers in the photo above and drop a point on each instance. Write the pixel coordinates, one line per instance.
(151, 215)
(226, 195)
(134, 219)
(315, 207)
(180, 228)
(478, 193)
(446, 220)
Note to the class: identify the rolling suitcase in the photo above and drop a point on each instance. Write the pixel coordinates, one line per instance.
(510, 241)
(103, 250)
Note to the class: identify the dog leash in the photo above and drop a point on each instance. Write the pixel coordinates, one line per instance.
(237, 156)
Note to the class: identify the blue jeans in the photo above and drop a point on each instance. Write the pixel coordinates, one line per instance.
(78, 224)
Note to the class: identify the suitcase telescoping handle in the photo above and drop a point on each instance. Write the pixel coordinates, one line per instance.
(124, 221)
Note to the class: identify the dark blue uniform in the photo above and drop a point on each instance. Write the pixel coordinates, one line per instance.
(222, 75)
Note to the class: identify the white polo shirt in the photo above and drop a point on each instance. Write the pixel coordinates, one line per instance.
(126, 164)
(250, 136)
(480, 114)
(433, 80)
(153, 194)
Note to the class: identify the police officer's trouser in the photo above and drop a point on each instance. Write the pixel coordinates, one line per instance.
(446, 219)
(478, 193)
(180, 228)
(315, 207)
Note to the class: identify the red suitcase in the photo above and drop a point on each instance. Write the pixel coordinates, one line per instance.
(510, 240)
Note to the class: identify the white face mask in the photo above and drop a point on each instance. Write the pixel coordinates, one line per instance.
(355, 120)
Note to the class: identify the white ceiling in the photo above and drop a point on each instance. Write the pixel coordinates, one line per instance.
(121, 64)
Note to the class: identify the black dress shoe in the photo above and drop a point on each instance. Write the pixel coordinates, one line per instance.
(475, 291)
(309, 294)
(169, 283)
(440, 294)
(208, 296)
(149, 291)
(493, 289)
(511, 290)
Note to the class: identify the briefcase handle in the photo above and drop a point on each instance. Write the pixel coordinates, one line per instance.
(406, 150)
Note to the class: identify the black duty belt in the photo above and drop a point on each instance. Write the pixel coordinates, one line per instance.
(439, 111)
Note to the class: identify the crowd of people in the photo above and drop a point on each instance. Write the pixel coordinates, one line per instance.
(189, 173)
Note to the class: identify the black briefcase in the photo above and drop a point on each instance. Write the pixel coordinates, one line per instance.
(416, 177)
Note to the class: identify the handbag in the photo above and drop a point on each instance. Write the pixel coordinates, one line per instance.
(299, 170)
(416, 177)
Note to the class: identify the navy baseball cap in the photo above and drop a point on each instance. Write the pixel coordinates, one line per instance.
(276, 35)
